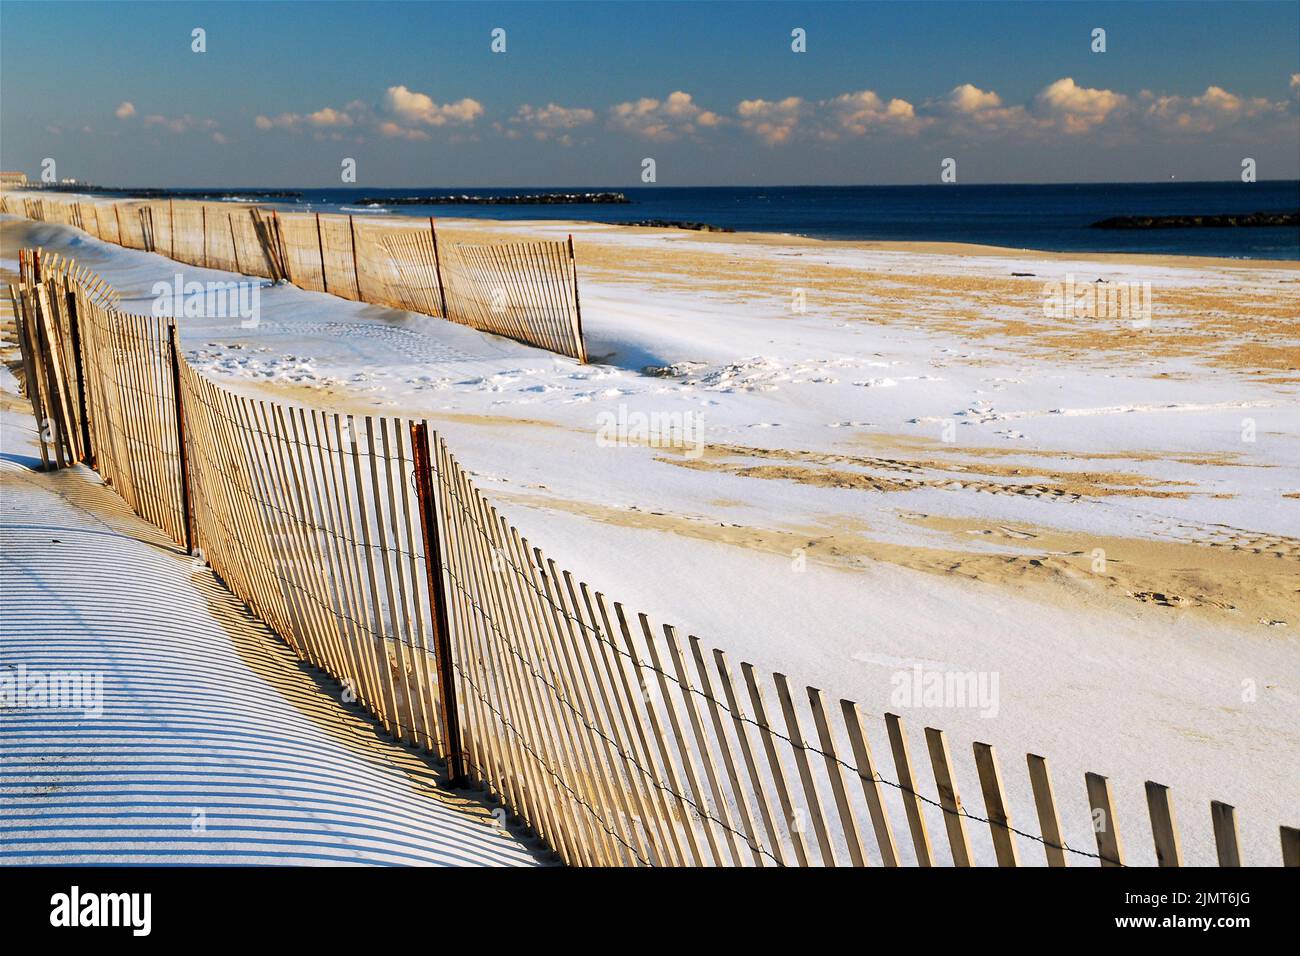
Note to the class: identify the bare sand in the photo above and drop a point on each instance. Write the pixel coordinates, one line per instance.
(1242, 328)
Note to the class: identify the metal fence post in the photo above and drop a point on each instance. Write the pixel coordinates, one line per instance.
(74, 325)
(437, 268)
(449, 713)
(577, 308)
(187, 513)
(356, 270)
(320, 245)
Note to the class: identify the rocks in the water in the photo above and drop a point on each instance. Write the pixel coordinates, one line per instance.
(679, 224)
(520, 199)
(1200, 222)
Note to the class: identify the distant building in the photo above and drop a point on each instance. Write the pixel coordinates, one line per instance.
(13, 179)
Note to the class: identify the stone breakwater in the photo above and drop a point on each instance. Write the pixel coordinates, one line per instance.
(1200, 222)
(679, 224)
(522, 199)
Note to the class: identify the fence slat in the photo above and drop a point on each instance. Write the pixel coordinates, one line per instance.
(670, 832)
(1290, 846)
(949, 799)
(995, 805)
(869, 777)
(1224, 819)
(729, 832)
(907, 790)
(834, 773)
(757, 787)
(812, 800)
(683, 750)
(1105, 826)
(1164, 826)
(1040, 780)
(793, 820)
(724, 747)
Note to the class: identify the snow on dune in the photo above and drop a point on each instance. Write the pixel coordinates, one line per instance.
(201, 738)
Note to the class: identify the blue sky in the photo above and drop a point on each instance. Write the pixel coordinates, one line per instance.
(586, 91)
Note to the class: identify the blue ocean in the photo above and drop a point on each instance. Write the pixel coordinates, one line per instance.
(1047, 217)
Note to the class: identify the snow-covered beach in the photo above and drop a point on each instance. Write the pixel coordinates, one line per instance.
(880, 459)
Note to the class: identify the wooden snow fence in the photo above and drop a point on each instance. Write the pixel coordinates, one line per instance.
(365, 545)
(527, 291)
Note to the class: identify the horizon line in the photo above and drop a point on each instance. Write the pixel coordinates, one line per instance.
(591, 187)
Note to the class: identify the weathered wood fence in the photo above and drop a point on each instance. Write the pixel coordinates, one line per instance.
(364, 544)
(527, 291)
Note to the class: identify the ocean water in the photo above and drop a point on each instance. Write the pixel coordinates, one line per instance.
(1048, 217)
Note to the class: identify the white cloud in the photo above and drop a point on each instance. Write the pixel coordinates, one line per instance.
(283, 121)
(663, 120)
(329, 117)
(969, 108)
(1213, 110)
(402, 114)
(125, 110)
(398, 131)
(1062, 106)
(1076, 109)
(550, 121)
(969, 98)
(855, 114)
(412, 108)
(849, 114)
(773, 121)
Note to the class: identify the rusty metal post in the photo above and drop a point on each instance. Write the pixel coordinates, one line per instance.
(577, 309)
(74, 324)
(320, 244)
(449, 712)
(356, 271)
(187, 511)
(437, 268)
(234, 243)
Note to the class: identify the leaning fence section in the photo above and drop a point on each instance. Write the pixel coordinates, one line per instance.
(526, 291)
(365, 545)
